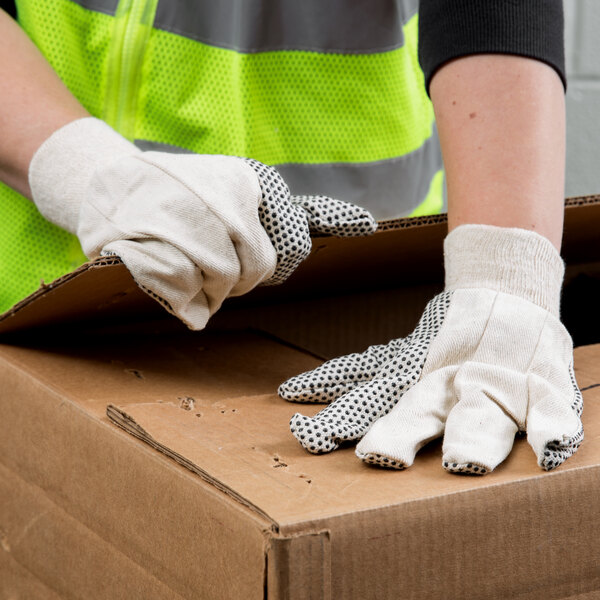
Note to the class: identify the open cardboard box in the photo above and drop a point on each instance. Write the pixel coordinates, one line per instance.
(142, 460)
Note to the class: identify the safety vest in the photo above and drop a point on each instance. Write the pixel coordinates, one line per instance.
(330, 93)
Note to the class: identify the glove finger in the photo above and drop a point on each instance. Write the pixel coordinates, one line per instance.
(350, 416)
(172, 279)
(402, 357)
(398, 368)
(554, 428)
(416, 419)
(479, 436)
(335, 217)
(491, 408)
(338, 376)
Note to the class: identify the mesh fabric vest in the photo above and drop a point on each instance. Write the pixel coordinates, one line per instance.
(330, 93)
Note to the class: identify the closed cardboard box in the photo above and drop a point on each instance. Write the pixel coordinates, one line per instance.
(141, 460)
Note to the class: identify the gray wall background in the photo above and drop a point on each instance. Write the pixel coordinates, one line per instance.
(582, 45)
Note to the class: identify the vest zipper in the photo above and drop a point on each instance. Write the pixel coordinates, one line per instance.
(132, 26)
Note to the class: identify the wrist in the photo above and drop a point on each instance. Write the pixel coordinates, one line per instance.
(63, 165)
(514, 261)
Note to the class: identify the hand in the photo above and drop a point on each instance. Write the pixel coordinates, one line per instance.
(488, 358)
(192, 229)
(289, 220)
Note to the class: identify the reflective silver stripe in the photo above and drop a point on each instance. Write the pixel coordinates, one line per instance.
(147, 146)
(108, 7)
(335, 26)
(388, 188)
(344, 26)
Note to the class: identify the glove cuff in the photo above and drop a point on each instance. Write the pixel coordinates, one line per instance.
(514, 261)
(63, 165)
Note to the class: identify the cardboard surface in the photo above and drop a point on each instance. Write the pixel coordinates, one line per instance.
(92, 513)
(231, 506)
(244, 443)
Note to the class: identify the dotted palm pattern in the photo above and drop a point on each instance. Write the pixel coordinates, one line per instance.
(367, 386)
(557, 451)
(289, 220)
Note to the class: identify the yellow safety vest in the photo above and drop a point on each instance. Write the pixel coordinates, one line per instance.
(330, 93)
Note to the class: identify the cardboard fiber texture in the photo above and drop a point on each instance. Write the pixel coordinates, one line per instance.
(230, 506)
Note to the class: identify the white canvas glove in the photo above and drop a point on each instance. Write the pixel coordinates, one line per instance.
(289, 220)
(192, 229)
(488, 358)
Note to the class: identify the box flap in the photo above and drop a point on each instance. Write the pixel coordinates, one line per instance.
(104, 290)
(402, 250)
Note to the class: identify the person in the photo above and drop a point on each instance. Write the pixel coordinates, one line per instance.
(302, 87)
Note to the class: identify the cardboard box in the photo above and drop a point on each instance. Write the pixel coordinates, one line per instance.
(141, 460)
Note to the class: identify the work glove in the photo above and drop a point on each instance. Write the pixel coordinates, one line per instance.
(192, 229)
(488, 358)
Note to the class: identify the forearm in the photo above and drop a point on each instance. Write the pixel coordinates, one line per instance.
(495, 72)
(33, 103)
(501, 121)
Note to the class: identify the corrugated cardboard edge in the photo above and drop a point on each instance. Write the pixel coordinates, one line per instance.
(433, 546)
(44, 288)
(120, 418)
(299, 567)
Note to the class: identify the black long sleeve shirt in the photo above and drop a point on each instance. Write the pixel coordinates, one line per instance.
(449, 29)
